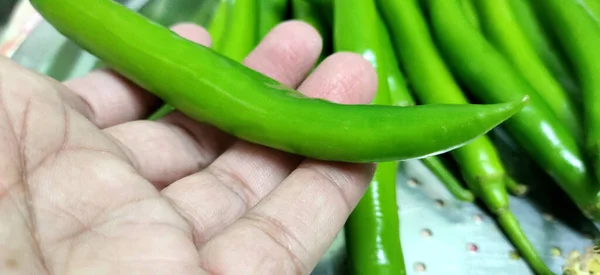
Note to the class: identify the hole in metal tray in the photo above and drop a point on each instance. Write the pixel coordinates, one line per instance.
(420, 267)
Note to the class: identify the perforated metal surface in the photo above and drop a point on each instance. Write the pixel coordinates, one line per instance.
(441, 235)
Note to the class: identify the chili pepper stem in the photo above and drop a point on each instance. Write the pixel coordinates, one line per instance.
(492, 191)
(448, 180)
(516, 188)
(513, 230)
(164, 110)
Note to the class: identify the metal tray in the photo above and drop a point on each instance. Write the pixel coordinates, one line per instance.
(439, 234)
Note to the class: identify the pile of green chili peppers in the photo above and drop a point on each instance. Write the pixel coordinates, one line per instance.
(449, 72)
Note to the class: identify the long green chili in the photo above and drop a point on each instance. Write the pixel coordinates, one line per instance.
(400, 95)
(578, 34)
(372, 230)
(490, 78)
(479, 162)
(501, 28)
(212, 88)
(543, 43)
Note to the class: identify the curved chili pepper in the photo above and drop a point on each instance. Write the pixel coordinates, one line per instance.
(239, 34)
(401, 96)
(228, 38)
(471, 13)
(318, 15)
(372, 230)
(579, 35)
(491, 78)
(270, 14)
(219, 23)
(539, 37)
(433, 83)
(479, 162)
(212, 88)
(500, 27)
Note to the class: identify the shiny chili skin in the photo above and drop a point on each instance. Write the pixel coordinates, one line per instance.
(229, 35)
(578, 34)
(219, 23)
(593, 8)
(500, 27)
(470, 11)
(238, 36)
(372, 230)
(214, 89)
(546, 49)
(401, 96)
(479, 161)
(270, 14)
(491, 78)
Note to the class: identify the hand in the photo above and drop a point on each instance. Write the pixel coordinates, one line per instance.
(89, 187)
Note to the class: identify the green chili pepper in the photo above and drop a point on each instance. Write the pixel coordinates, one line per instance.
(471, 12)
(229, 38)
(239, 34)
(479, 162)
(372, 230)
(270, 14)
(434, 84)
(593, 8)
(579, 36)
(318, 15)
(491, 78)
(539, 37)
(212, 88)
(441, 172)
(500, 27)
(219, 23)
(401, 96)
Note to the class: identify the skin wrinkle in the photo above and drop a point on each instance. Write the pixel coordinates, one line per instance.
(196, 225)
(31, 215)
(280, 235)
(23, 210)
(234, 181)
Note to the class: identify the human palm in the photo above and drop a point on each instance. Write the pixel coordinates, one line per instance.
(89, 187)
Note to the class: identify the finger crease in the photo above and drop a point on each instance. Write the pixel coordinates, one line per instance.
(197, 235)
(232, 179)
(280, 235)
(206, 150)
(33, 230)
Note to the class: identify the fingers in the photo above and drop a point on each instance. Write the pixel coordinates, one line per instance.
(291, 45)
(168, 150)
(180, 146)
(113, 99)
(290, 229)
(244, 174)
